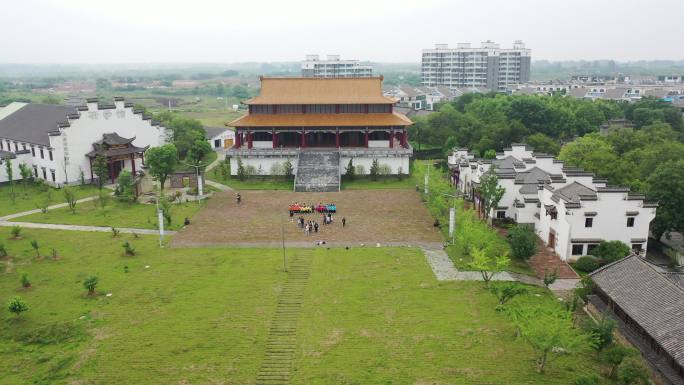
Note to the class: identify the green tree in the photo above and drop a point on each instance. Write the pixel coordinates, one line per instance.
(543, 143)
(523, 241)
(487, 266)
(490, 192)
(36, 247)
(199, 149)
(666, 185)
(125, 187)
(489, 154)
(17, 306)
(26, 176)
(25, 282)
(614, 356)
(9, 170)
(90, 284)
(602, 330)
(241, 170)
(70, 197)
(374, 170)
(550, 333)
(611, 250)
(101, 170)
(288, 170)
(350, 170)
(161, 162)
(633, 372)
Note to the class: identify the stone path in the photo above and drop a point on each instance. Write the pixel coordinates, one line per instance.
(50, 226)
(36, 211)
(277, 366)
(217, 185)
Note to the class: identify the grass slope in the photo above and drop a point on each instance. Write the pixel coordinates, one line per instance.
(34, 195)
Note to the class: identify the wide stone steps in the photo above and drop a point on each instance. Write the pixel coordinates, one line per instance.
(318, 170)
(276, 368)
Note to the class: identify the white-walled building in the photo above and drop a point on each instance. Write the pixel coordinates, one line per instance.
(55, 140)
(571, 210)
(220, 137)
(334, 67)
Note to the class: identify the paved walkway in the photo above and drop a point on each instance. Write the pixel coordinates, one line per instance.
(217, 185)
(50, 226)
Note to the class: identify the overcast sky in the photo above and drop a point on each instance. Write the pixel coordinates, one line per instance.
(142, 31)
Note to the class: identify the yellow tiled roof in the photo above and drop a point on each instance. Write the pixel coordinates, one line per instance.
(281, 90)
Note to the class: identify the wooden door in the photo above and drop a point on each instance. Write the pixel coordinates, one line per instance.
(552, 240)
(227, 143)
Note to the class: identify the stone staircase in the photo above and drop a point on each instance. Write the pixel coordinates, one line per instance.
(318, 170)
(277, 366)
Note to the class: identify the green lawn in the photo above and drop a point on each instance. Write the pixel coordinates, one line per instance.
(140, 216)
(200, 316)
(389, 182)
(254, 183)
(207, 160)
(213, 118)
(33, 195)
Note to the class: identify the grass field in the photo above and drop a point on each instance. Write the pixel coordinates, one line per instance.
(390, 182)
(260, 183)
(200, 316)
(34, 195)
(213, 118)
(140, 216)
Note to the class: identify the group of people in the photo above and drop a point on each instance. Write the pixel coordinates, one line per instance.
(313, 226)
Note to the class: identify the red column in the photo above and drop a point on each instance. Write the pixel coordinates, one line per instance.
(237, 138)
(404, 138)
(249, 140)
(303, 139)
(337, 137)
(274, 138)
(391, 143)
(366, 138)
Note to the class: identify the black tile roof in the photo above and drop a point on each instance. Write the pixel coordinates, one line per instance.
(649, 298)
(33, 122)
(214, 131)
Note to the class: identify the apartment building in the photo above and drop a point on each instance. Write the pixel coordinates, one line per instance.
(334, 67)
(488, 66)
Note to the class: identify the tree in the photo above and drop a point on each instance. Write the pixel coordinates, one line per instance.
(550, 278)
(523, 241)
(611, 251)
(374, 170)
(199, 149)
(101, 170)
(70, 197)
(25, 282)
(505, 291)
(35, 246)
(602, 330)
(490, 192)
(593, 153)
(9, 170)
(161, 162)
(90, 284)
(288, 170)
(543, 143)
(614, 356)
(165, 207)
(125, 187)
(633, 372)
(3, 251)
(26, 176)
(17, 306)
(487, 266)
(550, 332)
(241, 170)
(489, 154)
(350, 171)
(666, 185)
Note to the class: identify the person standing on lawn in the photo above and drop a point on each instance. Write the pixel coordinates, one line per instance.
(344, 221)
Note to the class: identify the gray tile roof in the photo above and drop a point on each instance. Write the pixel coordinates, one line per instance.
(33, 122)
(676, 278)
(6, 155)
(533, 175)
(649, 298)
(508, 162)
(572, 192)
(215, 131)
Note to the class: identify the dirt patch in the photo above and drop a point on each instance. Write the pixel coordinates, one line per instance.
(373, 217)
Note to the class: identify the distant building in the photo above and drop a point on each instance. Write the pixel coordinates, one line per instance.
(334, 67)
(488, 66)
(671, 78)
(220, 137)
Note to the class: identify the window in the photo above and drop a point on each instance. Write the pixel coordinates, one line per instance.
(591, 247)
(577, 249)
(44, 174)
(637, 246)
(588, 222)
(630, 222)
(2, 146)
(23, 146)
(42, 155)
(16, 146)
(33, 151)
(52, 174)
(217, 143)
(50, 153)
(501, 215)
(35, 171)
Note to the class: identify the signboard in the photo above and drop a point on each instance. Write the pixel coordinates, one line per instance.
(200, 189)
(452, 221)
(160, 218)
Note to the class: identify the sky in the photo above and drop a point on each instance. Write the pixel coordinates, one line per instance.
(224, 31)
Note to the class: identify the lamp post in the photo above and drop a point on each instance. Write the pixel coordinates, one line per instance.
(200, 189)
(452, 218)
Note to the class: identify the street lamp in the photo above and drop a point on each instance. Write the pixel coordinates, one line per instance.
(200, 190)
(452, 218)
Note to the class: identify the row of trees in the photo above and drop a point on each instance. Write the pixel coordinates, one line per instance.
(493, 121)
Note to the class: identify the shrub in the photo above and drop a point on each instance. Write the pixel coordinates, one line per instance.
(592, 379)
(400, 173)
(3, 251)
(614, 356)
(523, 242)
(549, 279)
(359, 169)
(586, 264)
(90, 284)
(384, 169)
(35, 246)
(17, 306)
(25, 282)
(611, 251)
(602, 330)
(54, 254)
(115, 232)
(633, 372)
(585, 288)
(129, 250)
(16, 232)
(288, 169)
(125, 187)
(505, 291)
(374, 170)
(70, 197)
(277, 169)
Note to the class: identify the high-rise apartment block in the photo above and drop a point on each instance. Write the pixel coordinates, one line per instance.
(488, 66)
(334, 67)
